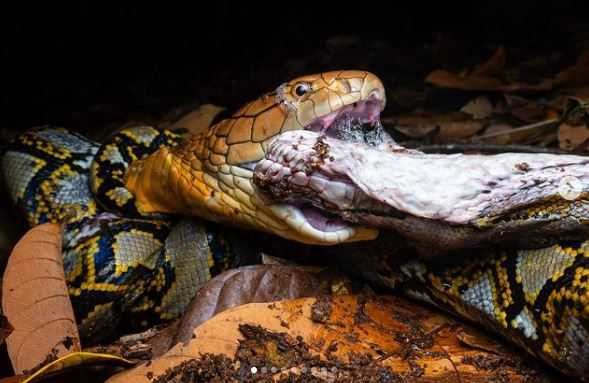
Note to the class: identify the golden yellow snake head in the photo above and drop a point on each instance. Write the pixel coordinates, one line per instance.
(211, 174)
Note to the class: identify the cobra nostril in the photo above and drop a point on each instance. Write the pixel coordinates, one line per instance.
(375, 94)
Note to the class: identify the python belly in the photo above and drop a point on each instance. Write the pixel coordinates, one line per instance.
(141, 212)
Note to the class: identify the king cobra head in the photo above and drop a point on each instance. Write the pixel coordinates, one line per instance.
(210, 175)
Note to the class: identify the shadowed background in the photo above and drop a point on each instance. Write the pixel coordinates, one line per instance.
(86, 64)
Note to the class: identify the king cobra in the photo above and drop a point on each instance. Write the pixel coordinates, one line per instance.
(309, 162)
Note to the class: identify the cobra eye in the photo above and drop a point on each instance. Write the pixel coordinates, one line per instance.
(302, 89)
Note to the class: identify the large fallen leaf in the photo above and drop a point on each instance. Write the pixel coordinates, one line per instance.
(343, 338)
(254, 284)
(248, 284)
(35, 301)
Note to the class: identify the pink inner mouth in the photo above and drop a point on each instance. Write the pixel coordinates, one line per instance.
(345, 123)
(321, 222)
(366, 112)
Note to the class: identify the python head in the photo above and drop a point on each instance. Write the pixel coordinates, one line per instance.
(210, 175)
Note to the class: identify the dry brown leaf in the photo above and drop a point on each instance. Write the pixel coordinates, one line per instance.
(417, 126)
(478, 108)
(529, 112)
(441, 128)
(570, 136)
(198, 120)
(542, 86)
(36, 302)
(142, 346)
(457, 131)
(493, 65)
(358, 335)
(13, 379)
(258, 283)
(445, 79)
(576, 75)
(581, 95)
(481, 341)
(254, 284)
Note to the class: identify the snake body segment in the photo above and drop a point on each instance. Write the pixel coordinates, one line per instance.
(123, 272)
(536, 298)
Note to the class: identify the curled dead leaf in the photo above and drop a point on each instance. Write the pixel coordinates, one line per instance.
(445, 79)
(36, 302)
(254, 284)
(332, 338)
(257, 283)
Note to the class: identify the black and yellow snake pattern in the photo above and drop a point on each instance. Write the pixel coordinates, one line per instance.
(536, 298)
(123, 271)
(125, 265)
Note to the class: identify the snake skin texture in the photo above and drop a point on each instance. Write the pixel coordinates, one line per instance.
(128, 260)
(123, 273)
(536, 298)
(112, 160)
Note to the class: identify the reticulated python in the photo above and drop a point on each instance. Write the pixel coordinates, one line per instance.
(135, 250)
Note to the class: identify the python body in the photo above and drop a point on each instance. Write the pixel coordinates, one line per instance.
(138, 213)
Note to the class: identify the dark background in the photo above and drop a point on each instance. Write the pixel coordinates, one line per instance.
(86, 64)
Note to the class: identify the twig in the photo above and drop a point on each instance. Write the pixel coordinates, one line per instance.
(520, 129)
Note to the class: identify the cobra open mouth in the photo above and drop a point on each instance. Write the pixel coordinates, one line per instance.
(358, 123)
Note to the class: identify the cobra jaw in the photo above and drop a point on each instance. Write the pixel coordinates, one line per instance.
(296, 219)
(313, 225)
